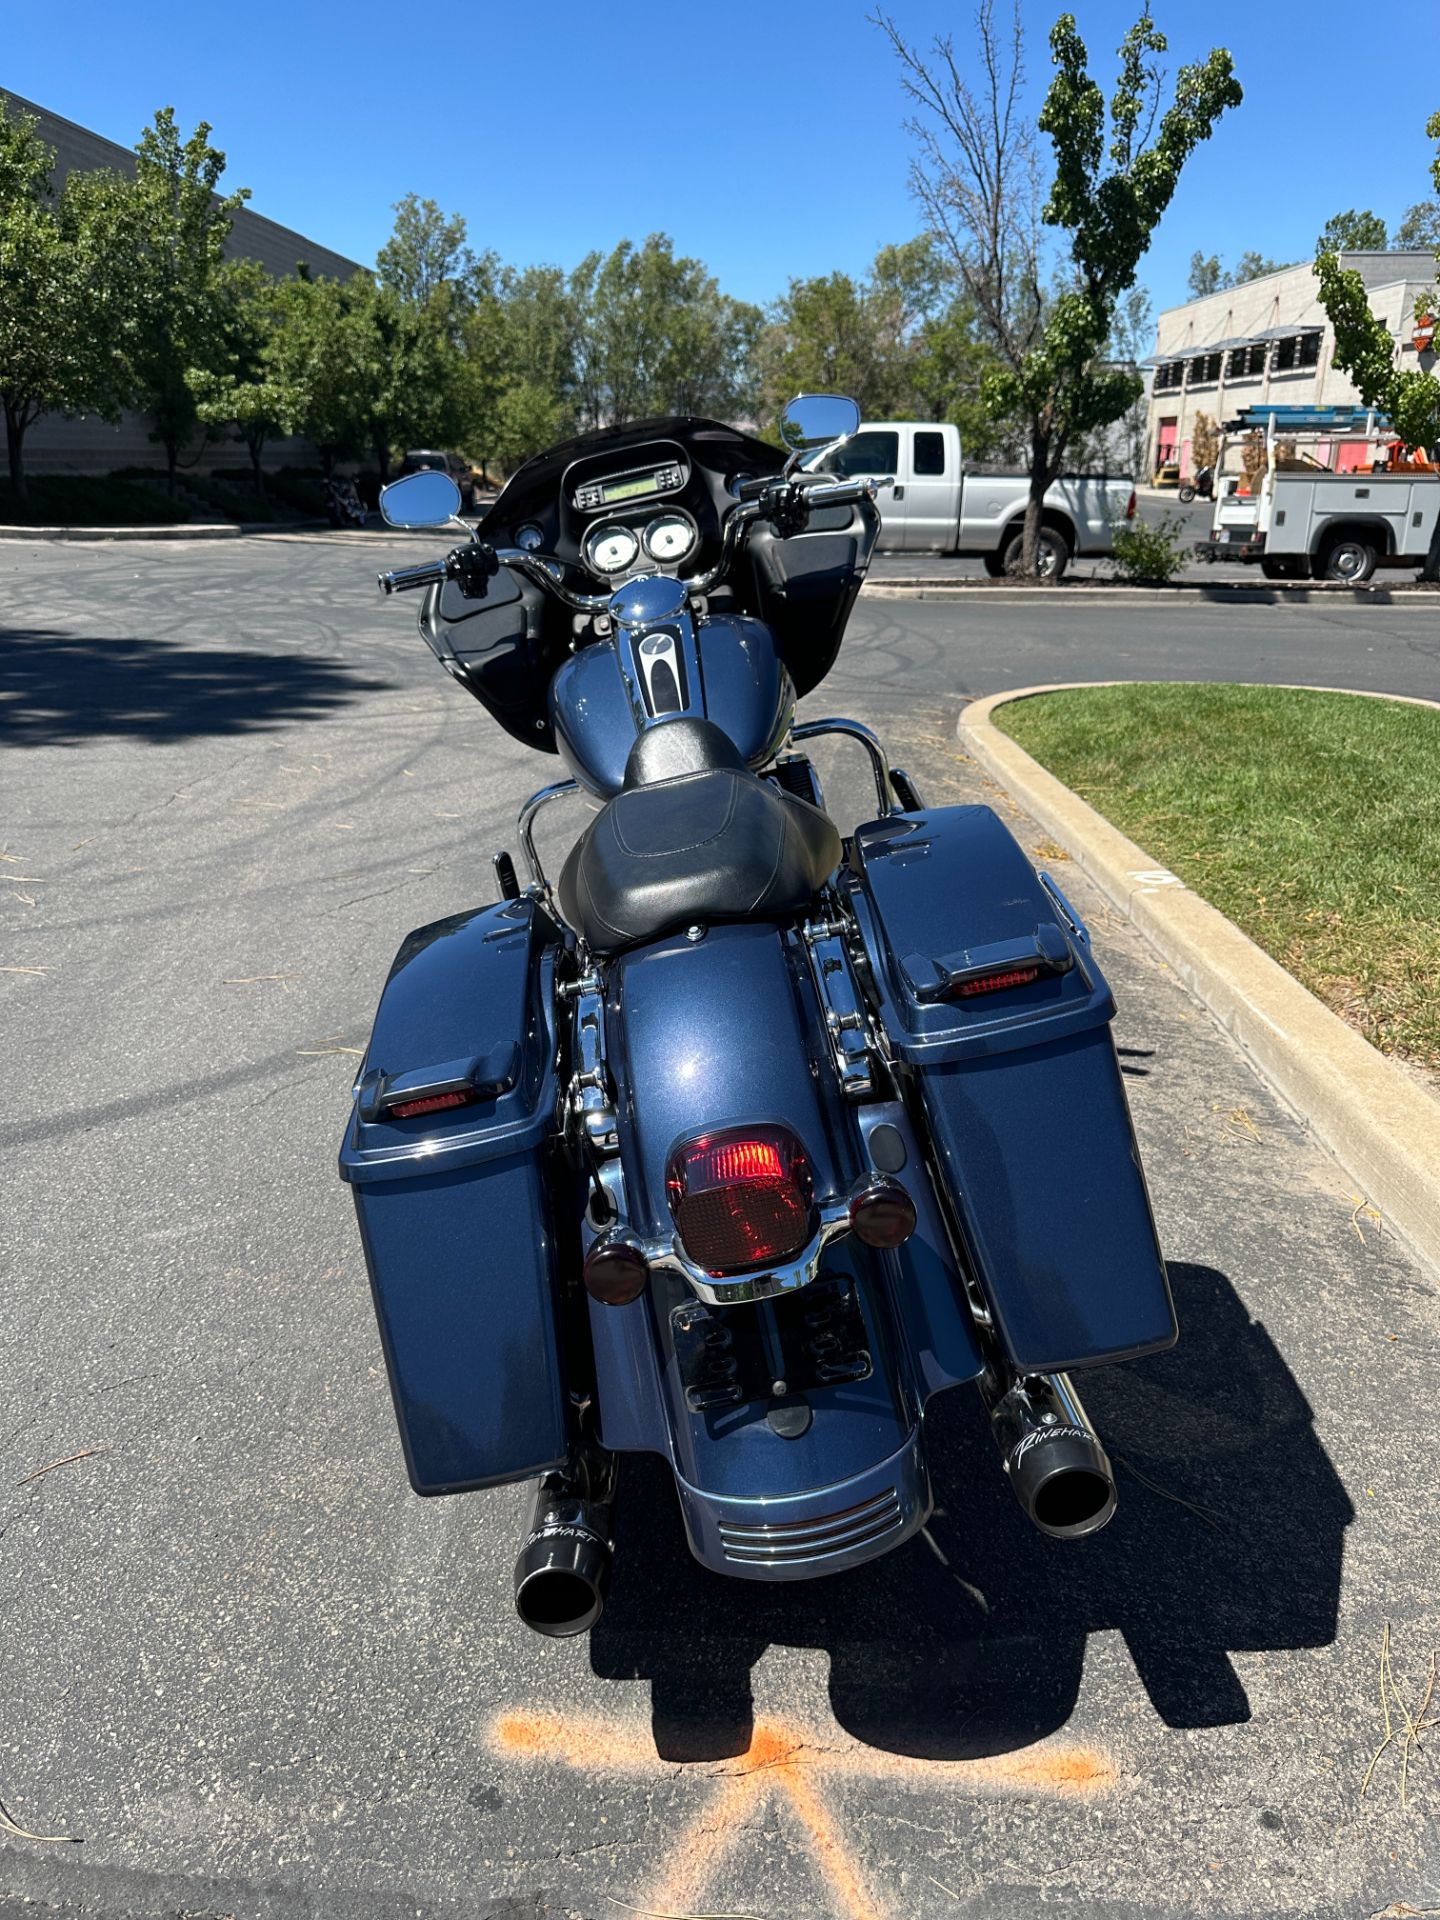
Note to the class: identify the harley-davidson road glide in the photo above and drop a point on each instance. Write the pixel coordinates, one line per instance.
(734, 1142)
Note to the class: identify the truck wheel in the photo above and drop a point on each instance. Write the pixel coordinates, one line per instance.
(994, 566)
(1350, 560)
(1053, 555)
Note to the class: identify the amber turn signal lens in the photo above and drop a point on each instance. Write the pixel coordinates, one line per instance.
(883, 1215)
(615, 1272)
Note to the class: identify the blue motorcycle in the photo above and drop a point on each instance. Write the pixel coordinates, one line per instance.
(735, 1142)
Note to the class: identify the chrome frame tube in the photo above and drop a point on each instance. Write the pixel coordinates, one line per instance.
(527, 825)
(857, 730)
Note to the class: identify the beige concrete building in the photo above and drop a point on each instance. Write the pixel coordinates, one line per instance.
(57, 445)
(1269, 343)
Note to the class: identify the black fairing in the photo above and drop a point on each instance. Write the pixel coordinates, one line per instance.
(507, 647)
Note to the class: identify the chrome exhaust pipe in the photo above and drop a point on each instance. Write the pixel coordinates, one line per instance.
(1052, 1456)
(563, 1566)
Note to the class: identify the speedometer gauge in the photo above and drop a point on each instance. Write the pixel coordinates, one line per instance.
(611, 548)
(669, 538)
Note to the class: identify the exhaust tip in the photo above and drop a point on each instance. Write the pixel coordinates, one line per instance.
(558, 1602)
(564, 1562)
(1052, 1455)
(1073, 1501)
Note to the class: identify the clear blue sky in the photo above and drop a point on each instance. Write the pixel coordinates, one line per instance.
(765, 136)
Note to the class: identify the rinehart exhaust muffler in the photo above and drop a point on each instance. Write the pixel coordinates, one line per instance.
(1052, 1456)
(563, 1567)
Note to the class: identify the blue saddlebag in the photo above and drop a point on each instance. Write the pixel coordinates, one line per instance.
(991, 999)
(446, 1155)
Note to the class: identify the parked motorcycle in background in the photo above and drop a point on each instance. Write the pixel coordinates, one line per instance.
(1202, 486)
(343, 505)
(735, 1142)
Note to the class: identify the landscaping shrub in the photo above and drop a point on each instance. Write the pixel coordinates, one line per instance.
(1150, 551)
(85, 500)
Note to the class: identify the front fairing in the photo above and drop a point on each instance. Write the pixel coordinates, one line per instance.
(727, 671)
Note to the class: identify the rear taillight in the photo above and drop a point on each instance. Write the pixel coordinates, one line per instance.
(1130, 509)
(995, 982)
(431, 1103)
(742, 1198)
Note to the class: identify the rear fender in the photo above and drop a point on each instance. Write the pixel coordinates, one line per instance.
(724, 1032)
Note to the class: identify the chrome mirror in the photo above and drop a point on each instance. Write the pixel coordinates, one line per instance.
(427, 499)
(818, 420)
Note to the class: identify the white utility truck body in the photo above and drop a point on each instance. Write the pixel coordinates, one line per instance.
(1304, 522)
(937, 505)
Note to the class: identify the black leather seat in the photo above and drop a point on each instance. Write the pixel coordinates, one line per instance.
(693, 835)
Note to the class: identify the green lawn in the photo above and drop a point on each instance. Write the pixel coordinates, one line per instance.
(1311, 819)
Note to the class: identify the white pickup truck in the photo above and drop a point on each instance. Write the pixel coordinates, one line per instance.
(936, 505)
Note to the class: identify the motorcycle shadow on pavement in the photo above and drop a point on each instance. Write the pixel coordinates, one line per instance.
(1228, 1538)
(60, 690)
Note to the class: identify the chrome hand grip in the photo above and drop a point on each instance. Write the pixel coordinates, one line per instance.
(402, 579)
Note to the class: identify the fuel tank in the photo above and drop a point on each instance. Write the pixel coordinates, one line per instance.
(723, 668)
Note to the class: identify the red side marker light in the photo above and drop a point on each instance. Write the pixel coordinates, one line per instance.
(996, 982)
(742, 1198)
(432, 1103)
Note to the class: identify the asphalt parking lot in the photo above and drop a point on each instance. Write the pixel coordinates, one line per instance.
(256, 1677)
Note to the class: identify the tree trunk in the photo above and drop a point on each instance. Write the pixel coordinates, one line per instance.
(256, 445)
(172, 460)
(15, 446)
(1044, 471)
(381, 450)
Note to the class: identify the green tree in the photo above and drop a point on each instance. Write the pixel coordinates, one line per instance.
(242, 389)
(177, 225)
(656, 335)
(406, 365)
(426, 251)
(1205, 275)
(63, 312)
(1353, 232)
(899, 341)
(525, 341)
(1114, 178)
(1365, 349)
(1254, 266)
(1420, 229)
(316, 359)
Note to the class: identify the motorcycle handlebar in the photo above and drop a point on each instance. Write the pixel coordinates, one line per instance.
(402, 579)
(547, 574)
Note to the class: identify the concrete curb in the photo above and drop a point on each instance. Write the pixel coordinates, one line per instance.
(1217, 593)
(217, 530)
(191, 530)
(1382, 1128)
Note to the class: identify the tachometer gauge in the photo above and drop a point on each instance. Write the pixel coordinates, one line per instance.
(611, 548)
(529, 537)
(669, 538)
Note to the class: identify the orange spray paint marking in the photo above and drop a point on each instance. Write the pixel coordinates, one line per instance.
(789, 1761)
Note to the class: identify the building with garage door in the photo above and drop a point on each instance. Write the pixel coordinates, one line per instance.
(87, 445)
(1268, 342)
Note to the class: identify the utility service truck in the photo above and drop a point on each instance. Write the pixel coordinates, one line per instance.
(1300, 521)
(931, 502)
